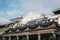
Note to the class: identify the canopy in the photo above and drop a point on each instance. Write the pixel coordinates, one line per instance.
(4, 21)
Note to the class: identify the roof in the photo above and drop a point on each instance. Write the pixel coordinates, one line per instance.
(56, 11)
(4, 21)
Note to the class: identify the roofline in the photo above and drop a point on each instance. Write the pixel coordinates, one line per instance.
(55, 9)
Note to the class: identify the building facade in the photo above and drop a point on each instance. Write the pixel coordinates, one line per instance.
(42, 30)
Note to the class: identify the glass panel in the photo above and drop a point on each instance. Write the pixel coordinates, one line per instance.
(1, 38)
(45, 36)
(14, 38)
(33, 37)
(58, 37)
(6, 38)
(22, 38)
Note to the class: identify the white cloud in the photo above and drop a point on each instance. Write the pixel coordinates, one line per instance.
(14, 13)
(2, 13)
(32, 4)
(23, 7)
(53, 4)
(36, 6)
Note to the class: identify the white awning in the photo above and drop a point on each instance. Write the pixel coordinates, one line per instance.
(4, 21)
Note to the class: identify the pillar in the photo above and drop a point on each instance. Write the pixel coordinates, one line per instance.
(3, 38)
(39, 37)
(9, 37)
(17, 37)
(54, 35)
(27, 37)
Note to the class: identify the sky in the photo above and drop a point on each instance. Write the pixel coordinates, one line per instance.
(14, 8)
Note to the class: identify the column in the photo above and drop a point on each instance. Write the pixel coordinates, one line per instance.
(54, 35)
(27, 37)
(9, 37)
(3, 38)
(39, 37)
(17, 37)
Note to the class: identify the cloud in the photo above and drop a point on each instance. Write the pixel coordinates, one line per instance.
(13, 4)
(35, 6)
(31, 5)
(53, 4)
(14, 13)
(2, 13)
(15, 8)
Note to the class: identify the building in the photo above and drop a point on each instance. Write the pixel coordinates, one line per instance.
(44, 30)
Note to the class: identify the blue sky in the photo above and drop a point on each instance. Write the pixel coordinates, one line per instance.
(14, 8)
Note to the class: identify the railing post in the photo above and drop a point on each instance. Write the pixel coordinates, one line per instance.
(39, 37)
(17, 37)
(3, 38)
(9, 37)
(54, 35)
(27, 37)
